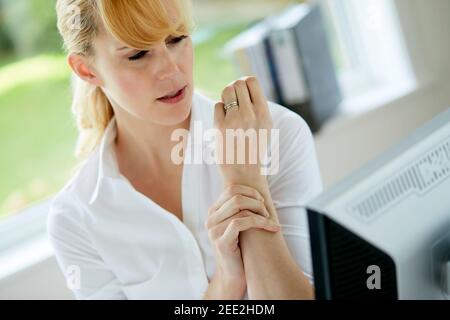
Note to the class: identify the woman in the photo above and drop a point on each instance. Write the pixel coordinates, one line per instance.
(134, 223)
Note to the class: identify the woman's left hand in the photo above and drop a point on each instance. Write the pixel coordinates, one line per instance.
(239, 208)
(251, 114)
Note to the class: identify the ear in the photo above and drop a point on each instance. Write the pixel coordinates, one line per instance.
(81, 67)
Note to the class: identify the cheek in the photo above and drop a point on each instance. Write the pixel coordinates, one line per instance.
(133, 84)
(120, 79)
(187, 60)
(128, 83)
(129, 89)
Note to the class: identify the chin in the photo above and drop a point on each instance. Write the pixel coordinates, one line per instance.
(172, 115)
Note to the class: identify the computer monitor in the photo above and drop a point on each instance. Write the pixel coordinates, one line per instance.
(384, 232)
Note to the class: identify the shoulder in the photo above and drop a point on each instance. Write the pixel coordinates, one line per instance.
(295, 136)
(67, 207)
(283, 117)
(294, 156)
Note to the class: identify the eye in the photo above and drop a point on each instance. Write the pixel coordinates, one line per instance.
(177, 39)
(138, 55)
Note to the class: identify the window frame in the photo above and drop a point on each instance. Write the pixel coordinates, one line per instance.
(364, 86)
(24, 225)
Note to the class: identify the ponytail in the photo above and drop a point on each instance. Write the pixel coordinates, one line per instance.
(93, 112)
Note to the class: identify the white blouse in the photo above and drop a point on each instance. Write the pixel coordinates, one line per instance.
(112, 242)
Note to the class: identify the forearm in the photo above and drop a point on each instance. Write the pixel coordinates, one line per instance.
(271, 272)
(221, 288)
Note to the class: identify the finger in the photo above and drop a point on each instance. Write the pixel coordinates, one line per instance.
(238, 203)
(231, 234)
(234, 205)
(235, 189)
(219, 114)
(218, 230)
(256, 93)
(243, 96)
(228, 96)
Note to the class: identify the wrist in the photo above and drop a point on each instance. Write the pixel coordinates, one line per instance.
(258, 182)
(231, 288)
(262, 185)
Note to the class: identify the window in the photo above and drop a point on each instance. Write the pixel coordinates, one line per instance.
(369, 51)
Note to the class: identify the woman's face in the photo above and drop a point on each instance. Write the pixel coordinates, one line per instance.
(134, 80)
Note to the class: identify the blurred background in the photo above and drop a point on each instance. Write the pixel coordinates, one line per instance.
(389, 59)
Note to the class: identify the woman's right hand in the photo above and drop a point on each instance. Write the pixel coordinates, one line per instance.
(238, 208)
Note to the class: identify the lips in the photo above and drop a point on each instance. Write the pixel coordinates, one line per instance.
(176, 99)
(172, 94)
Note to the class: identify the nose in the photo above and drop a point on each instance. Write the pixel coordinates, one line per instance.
(168, 65)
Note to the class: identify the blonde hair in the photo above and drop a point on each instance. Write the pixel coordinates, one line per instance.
(138, 24)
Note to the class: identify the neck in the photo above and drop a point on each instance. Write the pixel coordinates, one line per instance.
(143, 147)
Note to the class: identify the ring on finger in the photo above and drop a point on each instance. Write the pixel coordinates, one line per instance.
(230, 105)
